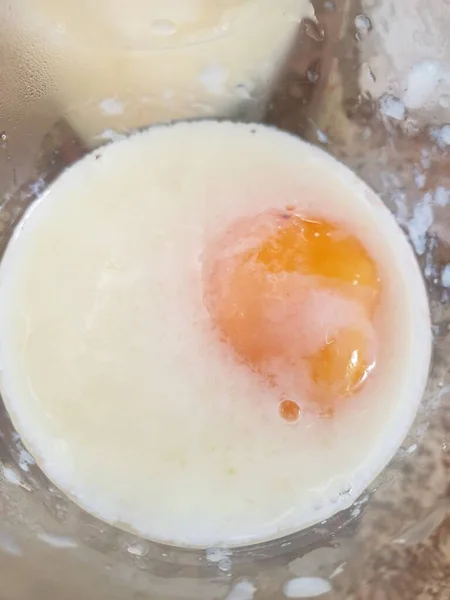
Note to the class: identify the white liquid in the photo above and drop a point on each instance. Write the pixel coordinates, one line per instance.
(115, 379)
(119, 66)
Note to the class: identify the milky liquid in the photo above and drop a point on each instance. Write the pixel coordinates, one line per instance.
(112, 67)
(115, 378)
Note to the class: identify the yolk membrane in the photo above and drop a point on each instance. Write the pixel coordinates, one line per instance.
(258, 279)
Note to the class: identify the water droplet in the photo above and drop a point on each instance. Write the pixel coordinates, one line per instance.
(215, 555)
(313, 30)
(163, 27)
(137, 549)
(363, 24)
(225, 565)
(306, 587)
(313, 74)
(322, 136)
(60, 510)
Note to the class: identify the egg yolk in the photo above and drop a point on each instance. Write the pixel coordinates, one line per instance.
(295, 298)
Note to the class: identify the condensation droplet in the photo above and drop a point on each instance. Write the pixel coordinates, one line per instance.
(363, 24)
(322, 136)
(313, 30)
(60, 510)
(216, 555)
(163, 27)
(225, 565)
(306, 587)
(312, 74)
(137, 549)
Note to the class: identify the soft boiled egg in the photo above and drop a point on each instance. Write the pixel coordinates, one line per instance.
(212, 334)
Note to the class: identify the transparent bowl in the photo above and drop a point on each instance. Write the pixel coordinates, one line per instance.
(369, 81)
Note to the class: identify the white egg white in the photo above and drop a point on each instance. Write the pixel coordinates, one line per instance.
(116, 380)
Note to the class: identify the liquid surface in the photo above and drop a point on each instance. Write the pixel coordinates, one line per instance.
(163, 324)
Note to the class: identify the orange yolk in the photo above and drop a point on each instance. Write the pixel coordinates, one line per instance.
(295, 298)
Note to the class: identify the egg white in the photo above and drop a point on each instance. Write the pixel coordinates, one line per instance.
(115, 379)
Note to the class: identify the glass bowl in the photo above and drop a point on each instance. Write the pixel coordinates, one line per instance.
(369, 81)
